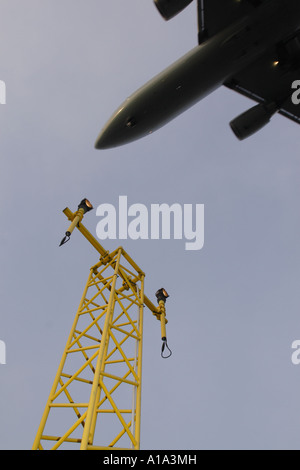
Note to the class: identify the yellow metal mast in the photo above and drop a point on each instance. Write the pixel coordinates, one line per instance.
(95, 400)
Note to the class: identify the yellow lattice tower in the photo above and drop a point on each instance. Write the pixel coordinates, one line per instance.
(95, 400)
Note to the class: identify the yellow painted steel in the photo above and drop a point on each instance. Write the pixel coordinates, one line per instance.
(162, 316)
(95, 400)
(77, 219)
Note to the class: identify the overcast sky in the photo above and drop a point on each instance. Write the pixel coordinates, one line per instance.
(234, 305)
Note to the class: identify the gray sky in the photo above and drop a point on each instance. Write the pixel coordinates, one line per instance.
(234, 305)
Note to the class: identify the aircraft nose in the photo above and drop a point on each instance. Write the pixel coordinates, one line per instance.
(119, 130)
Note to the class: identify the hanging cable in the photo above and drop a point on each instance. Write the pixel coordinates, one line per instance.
(165, 345)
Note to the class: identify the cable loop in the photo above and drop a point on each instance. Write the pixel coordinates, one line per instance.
(165, 345)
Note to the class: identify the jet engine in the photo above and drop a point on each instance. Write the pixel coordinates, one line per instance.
(253, 120)
(170, 8)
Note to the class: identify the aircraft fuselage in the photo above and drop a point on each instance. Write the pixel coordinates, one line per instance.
(200, 72)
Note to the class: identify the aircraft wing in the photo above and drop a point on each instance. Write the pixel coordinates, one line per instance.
(264, 81)
(215, 15)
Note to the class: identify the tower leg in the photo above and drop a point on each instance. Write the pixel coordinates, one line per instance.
(90, 404)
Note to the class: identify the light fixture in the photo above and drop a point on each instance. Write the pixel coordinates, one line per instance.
(83, 207)
(162, 294)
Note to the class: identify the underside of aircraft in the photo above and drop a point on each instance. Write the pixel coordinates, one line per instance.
(268, 86)
(249, 46)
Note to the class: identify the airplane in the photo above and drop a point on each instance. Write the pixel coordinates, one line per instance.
(249, 46)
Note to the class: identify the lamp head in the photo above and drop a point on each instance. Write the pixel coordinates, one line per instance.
(85, 205)
(162, 294)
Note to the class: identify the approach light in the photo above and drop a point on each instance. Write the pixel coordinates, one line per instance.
(162, 294)
(83, 207)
